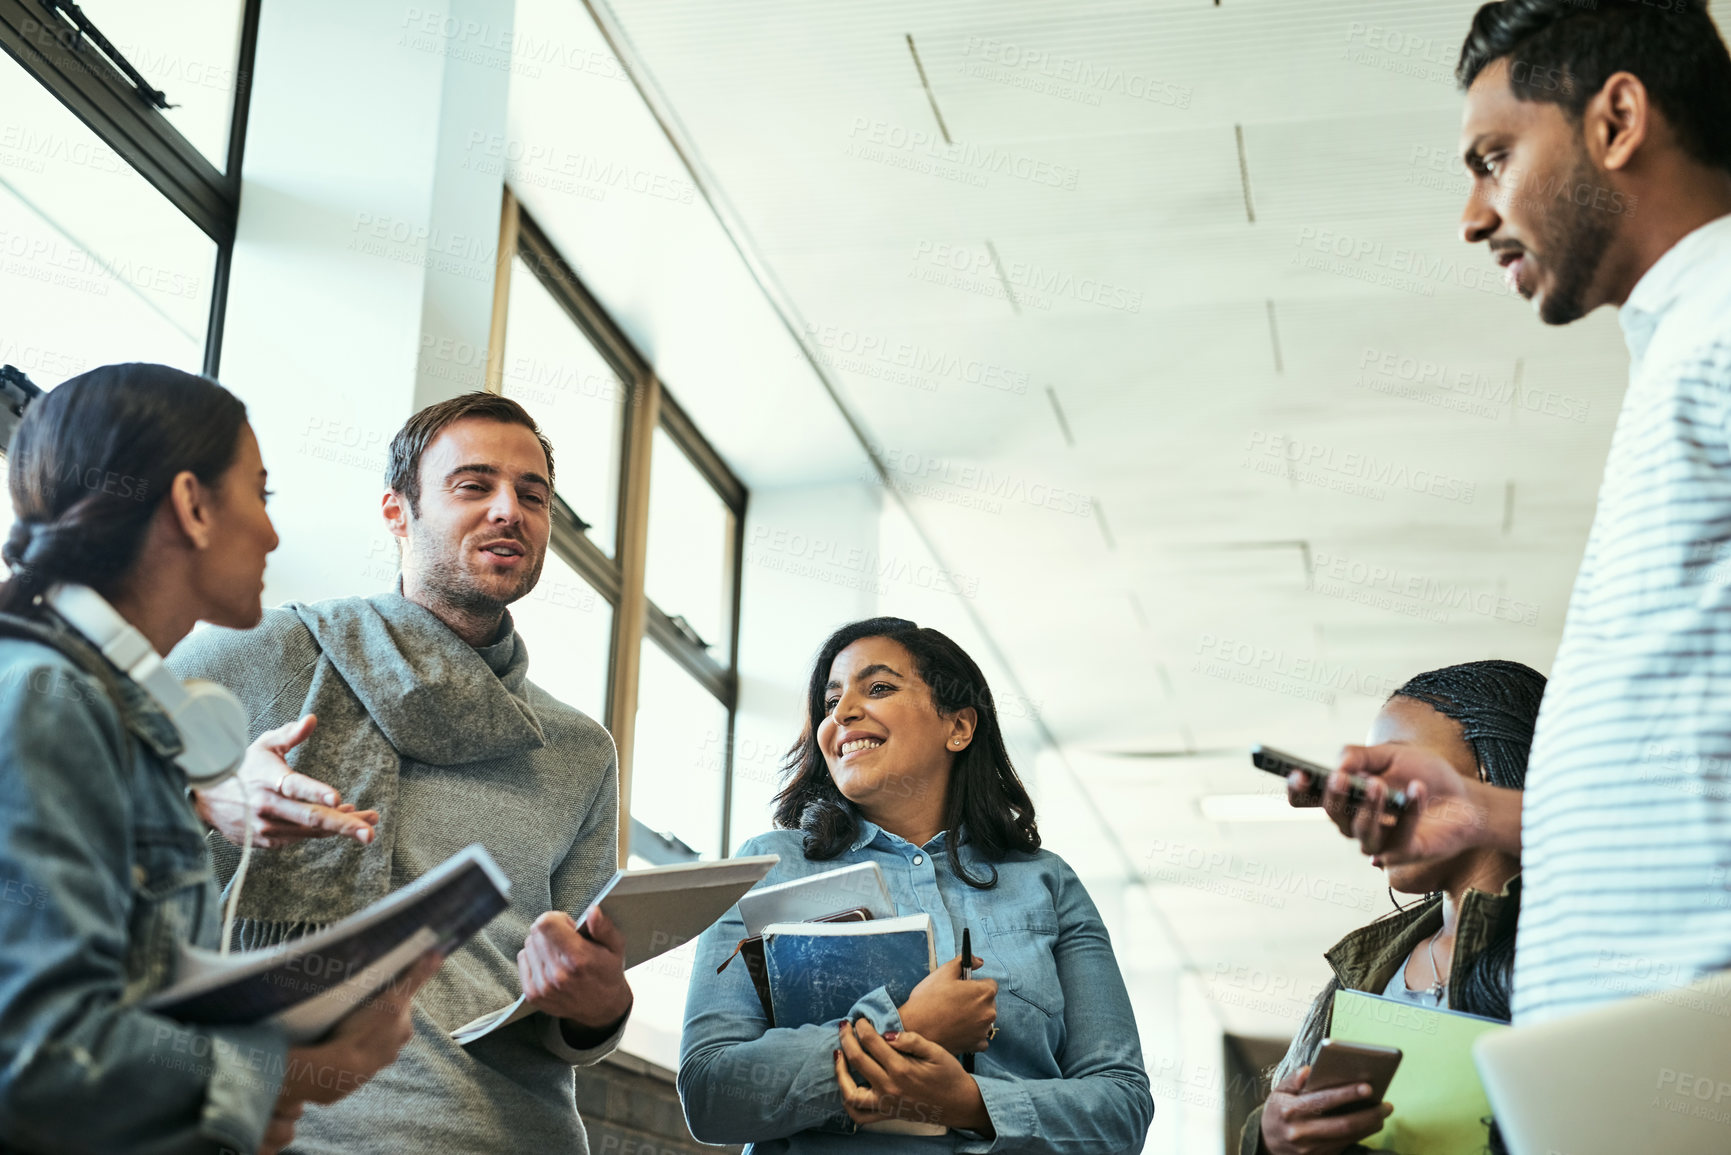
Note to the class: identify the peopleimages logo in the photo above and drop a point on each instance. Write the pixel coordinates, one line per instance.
(1461, 390)
(1350, 470)
(833, 562)
(1031, 283)
(1064, 76)
(1270, 668)
(496, 153)
(911, 471)
(1367, 259)
(880, 140)
(47, 258)
(1263, 883)
(906, 361)
(1415, 595)
(32, 150)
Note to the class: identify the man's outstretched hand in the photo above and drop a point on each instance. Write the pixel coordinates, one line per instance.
(1445, 813)
(283, 807)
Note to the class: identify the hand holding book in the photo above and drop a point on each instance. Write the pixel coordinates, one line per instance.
(909, 1080)
(954, 1012)
(649, 912)
(574, 973)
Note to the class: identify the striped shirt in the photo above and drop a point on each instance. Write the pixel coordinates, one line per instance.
(1626, 825)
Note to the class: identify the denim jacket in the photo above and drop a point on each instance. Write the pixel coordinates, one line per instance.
(1064, 1074)
(103, 874)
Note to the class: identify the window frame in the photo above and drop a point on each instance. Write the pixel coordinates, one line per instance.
(56, 55)
(620, 578)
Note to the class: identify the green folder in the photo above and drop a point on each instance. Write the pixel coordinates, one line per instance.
(1439, 1103)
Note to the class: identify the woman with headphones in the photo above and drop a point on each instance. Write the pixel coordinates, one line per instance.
(140, 504)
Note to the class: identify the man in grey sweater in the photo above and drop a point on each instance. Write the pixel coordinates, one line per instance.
(407, 723)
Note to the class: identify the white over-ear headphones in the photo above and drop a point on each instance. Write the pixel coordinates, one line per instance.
(211, 720)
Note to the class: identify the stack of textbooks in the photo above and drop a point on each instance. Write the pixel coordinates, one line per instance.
(820, 944)
(819, 970)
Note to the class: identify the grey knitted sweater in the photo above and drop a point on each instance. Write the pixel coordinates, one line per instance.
(454, 745)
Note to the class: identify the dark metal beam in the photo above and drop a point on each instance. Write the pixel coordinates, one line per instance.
(52, 50)
(231, 172)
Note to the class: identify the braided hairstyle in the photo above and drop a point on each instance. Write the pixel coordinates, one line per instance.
(92, 461)
(1497, 705)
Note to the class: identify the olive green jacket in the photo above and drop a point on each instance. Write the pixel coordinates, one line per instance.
(1370, 956)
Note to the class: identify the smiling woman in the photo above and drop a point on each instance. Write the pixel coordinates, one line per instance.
(902, 764)
(891, 673)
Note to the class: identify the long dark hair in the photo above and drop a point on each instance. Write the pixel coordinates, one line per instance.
(1497, 705)
(93, 459)
(986, 799)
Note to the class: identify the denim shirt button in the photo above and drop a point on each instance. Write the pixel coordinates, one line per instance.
(139, 877)
(919, 860)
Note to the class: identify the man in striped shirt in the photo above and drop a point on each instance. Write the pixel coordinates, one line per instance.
(1598, 137)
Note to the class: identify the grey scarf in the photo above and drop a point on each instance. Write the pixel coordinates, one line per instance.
(392, 682)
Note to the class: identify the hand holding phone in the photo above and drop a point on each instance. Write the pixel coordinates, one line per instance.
(1341, 1064)
(1332, 1104)
(1284, 765)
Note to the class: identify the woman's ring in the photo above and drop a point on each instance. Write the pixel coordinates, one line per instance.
(278, 787)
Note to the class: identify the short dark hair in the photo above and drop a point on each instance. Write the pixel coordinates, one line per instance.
(403, 470)
(1567, 49)
(91, 462)
(985, 794)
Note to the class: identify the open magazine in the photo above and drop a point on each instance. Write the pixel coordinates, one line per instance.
(308, 985)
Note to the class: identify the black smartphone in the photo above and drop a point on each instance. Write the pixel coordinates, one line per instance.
(1282, 764)
(1342, 1064)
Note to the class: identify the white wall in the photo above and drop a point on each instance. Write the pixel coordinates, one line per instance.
(361, 243)
(809, 568)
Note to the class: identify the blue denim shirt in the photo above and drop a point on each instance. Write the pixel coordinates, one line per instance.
(103, 874)
(1063, 1075)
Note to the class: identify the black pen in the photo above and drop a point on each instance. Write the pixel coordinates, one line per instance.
(967, 973)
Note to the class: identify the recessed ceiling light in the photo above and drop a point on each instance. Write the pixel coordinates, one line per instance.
(1254, 808)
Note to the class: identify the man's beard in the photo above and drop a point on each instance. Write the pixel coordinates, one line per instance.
(1573, 238)
(445, 578)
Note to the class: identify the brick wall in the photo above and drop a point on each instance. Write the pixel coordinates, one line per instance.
(631, 1108)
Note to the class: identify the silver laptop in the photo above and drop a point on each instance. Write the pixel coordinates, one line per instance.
(1639, 1076)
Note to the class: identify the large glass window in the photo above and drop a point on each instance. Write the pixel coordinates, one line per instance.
(95, 265)
(690, 548)
(117, 215)
(100, 262)
(664, 514)
(187, 49)
(557, 374)
(677, 772)
(568, 626)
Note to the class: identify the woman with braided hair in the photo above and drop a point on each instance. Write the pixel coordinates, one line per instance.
(1455, 948)
(140, 504)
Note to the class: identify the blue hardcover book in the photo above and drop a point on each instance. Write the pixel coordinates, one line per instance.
(819, 970)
